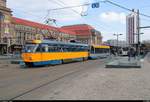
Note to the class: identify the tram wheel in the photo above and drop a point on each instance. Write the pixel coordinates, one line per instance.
(29, 64)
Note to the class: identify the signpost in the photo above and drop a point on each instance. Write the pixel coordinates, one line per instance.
(95, 5)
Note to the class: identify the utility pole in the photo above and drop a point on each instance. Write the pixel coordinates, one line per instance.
(117, 40)
(138, 33)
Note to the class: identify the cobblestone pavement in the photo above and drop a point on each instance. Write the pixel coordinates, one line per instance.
(76, 81)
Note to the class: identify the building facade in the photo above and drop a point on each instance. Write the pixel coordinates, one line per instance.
(5, 26)
(113, 42)
(131, 27)
(85, 34)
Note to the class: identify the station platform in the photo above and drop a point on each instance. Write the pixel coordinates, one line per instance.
(123, 62)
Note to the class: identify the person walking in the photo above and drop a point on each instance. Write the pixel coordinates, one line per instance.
(129, 54)
(134, 53)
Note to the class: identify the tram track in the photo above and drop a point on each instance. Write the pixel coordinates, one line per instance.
(56, 79)
(42, 85)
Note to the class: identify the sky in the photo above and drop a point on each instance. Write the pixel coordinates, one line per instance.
(108, 19)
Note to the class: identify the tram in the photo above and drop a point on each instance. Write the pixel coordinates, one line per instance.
(101, 51)
(46, 52)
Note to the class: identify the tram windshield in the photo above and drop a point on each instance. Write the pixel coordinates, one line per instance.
(30, 48)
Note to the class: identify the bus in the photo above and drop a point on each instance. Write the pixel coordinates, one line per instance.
(124, 51)
(46, 52)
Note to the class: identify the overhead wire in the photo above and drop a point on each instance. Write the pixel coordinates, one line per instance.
(86, 4)
(70, 7)
(125, 8)
(65, 4)
(61, 3)
(61, 6)
(82, 16)
(73, 11)
(105, 1)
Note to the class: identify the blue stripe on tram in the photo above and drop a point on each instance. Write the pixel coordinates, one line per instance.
(93, 57)
(52, 62)
(78, 59)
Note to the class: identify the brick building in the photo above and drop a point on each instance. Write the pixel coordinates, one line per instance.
(5, 23)
(85, 33)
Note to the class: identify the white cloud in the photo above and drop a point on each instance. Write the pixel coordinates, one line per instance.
(146, 34)
(38, 9)
(114, 17)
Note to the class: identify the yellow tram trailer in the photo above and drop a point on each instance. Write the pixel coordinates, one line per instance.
(99, 51)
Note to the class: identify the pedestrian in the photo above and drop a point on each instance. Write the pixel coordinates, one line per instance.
(113, 52)
(129, 54)
(134, 53)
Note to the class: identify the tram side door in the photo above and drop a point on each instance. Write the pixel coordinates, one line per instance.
(38, 55)
(44, 53)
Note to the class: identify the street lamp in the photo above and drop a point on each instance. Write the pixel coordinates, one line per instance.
(117, 40)
(138, 43)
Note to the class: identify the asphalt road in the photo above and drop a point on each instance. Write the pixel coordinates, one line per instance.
(16, 82)
(88, 80)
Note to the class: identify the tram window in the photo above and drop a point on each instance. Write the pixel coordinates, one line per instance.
(59, 49)
(54, 49)
(92, 49)
(103, 50)
(69, 48)
(30, 48)
(106, 51)
(44, 48)
(78, 48)
(74, 49)
(65, 49)
(85, 48)
(38, 49)
(50, 49)
(99, 50)
(96, 51)
(82, 49)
